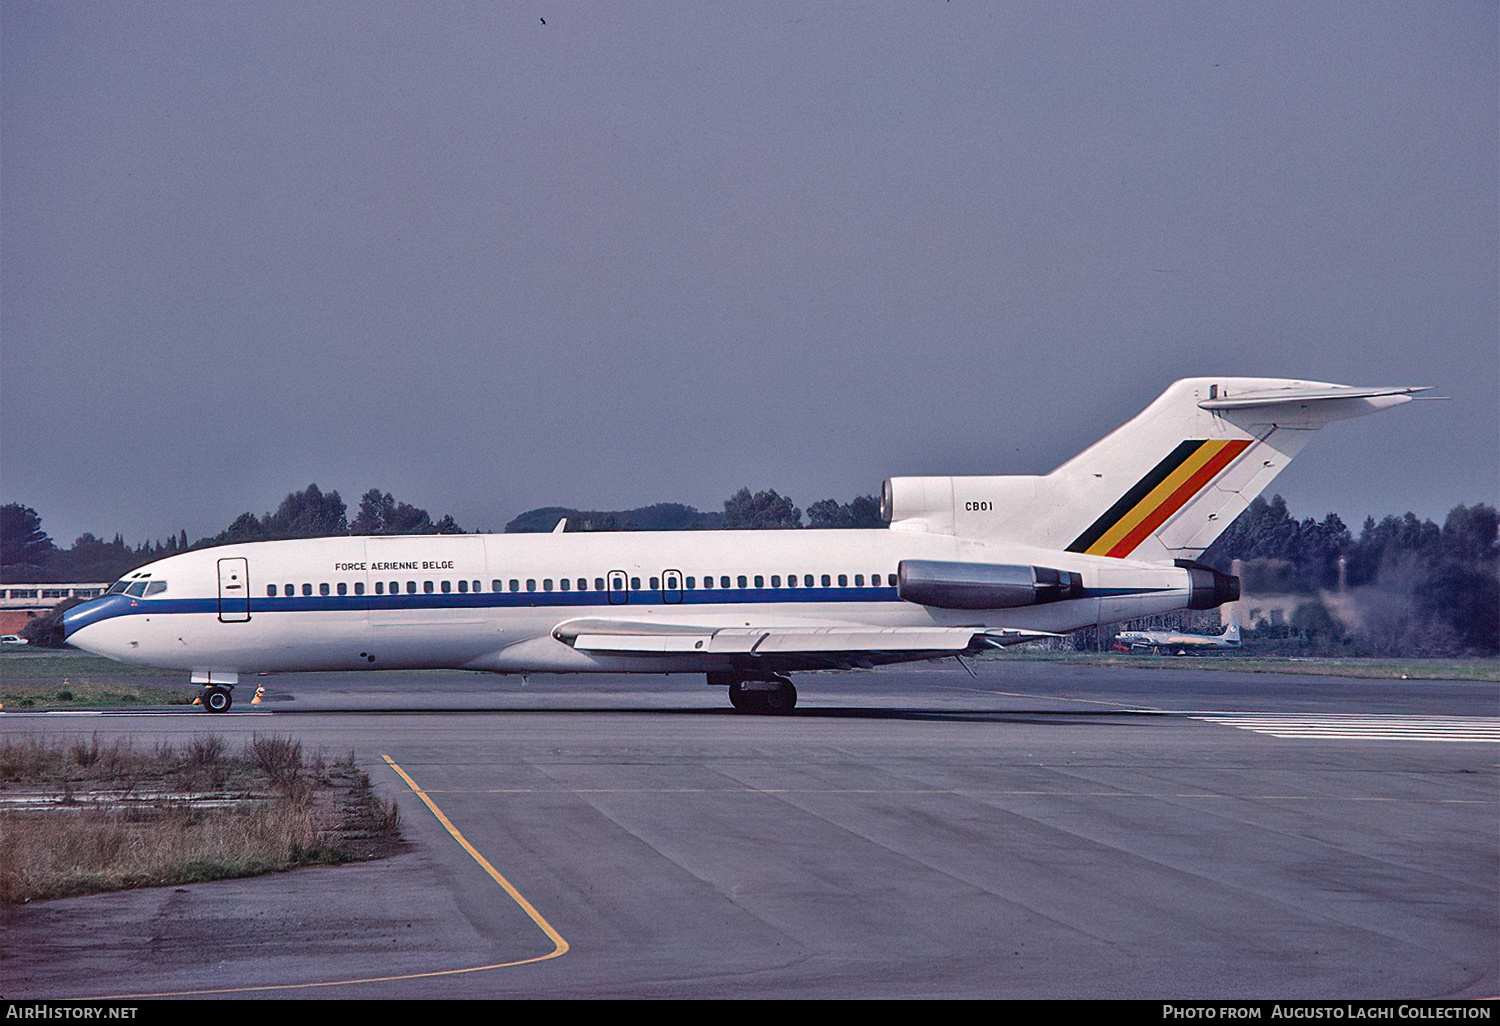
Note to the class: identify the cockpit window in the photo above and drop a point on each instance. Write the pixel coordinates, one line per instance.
(117, 587)
(137, 589)
(155, 588)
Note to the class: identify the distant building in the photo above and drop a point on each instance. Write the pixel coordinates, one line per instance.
(1253, 609)
(22, 602)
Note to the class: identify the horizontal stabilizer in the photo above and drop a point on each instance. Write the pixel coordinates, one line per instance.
(1295, 395)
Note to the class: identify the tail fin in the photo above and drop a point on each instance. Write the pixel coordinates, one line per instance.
(1162, 486)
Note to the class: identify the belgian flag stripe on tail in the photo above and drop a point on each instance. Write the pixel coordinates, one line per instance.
(1153, 499)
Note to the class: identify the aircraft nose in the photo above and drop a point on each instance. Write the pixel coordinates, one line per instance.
(92, 611)
(72, 619)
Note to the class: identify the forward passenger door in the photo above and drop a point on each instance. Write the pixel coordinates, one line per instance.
(234, 590)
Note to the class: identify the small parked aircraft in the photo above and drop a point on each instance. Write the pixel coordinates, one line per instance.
(1165, 642)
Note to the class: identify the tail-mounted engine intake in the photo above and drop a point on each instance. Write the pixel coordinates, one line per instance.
(983, 585)
(1207, 587)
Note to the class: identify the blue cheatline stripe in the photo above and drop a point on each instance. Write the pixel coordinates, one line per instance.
(491, 600)
(111, 606)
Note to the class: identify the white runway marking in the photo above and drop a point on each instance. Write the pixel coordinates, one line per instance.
(1355, 726)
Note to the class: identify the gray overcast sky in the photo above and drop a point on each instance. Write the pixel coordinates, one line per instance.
(653, 252)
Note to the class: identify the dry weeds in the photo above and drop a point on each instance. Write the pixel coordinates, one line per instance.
(85, 815)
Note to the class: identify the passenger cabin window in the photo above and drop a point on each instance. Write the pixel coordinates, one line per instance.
(827, 582)
(843, 580)
(890, 579)
(463, 587)
(343, 588)
(495, 586)
(859, 580)
(760, 582)
(289, 590)
(655, 584)
(565, 584)
(723, 582)
(691, 586)
(380, 587)
(807, 580)
(322, 589)
(447, 587)
(270, 591)
(427, 587)
(307, 590)
(775, 580)
(546, 584)
(411, 587)
(359, 587)
(598, 584)
(635, 584)
(708, 582)
(583, 584)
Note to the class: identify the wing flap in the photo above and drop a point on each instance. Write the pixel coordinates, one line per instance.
(654, 643)
(625, 637)
(868, 639)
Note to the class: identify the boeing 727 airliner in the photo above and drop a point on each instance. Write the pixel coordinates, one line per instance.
(965, 564)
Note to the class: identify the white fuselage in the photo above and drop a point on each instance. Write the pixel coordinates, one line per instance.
(493, 602)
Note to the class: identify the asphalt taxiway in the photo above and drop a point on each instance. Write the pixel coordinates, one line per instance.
(1035, 830)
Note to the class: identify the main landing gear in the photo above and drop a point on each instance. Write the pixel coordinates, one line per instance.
(216, 695)
(770, 695)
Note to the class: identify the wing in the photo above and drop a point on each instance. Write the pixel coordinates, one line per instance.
(832, 645)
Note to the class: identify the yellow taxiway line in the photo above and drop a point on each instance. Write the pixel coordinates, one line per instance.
(559, 945)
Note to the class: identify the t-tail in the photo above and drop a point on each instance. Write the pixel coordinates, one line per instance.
(1159, 488)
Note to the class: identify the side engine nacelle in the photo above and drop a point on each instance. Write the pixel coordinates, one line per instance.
(1207, 587)
(983, 585)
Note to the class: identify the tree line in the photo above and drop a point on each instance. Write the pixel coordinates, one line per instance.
(1403, 586)
(28, 555)
(743, 511)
